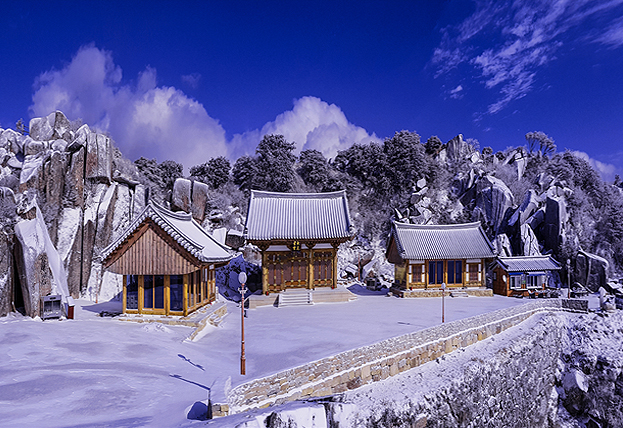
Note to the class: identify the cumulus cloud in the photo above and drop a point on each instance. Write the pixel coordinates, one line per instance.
(522, 36)
(311, 124)
(144, 119)
(606, 170)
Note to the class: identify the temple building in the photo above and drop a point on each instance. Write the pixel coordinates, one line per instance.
(298, 235)
(522, 275)
(168, 263)
(427, 256)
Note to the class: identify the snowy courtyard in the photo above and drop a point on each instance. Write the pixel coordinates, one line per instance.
(98, 371)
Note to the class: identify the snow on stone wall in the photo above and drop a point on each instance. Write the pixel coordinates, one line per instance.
(352, 369)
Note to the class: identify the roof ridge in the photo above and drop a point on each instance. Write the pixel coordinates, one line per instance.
(474, 224)
(310, 195)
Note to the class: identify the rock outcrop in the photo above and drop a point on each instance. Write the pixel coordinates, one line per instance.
(87, 193)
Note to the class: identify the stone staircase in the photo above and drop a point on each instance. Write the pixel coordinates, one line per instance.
(458, 294)
(295, 298)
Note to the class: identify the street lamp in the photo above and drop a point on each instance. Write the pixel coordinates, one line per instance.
(443, 296)
(242, 279)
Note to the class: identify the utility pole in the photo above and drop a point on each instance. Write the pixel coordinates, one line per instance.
(242, 279)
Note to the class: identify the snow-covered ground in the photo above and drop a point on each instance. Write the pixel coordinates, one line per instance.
(101, 372)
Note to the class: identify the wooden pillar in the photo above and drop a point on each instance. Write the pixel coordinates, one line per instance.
(124, 299)
(310, 267)
(185, 294)
(167, 294)
(334, 264)
(264, 272)
(141, 293)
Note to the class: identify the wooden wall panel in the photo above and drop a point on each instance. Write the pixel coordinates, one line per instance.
(148, 253)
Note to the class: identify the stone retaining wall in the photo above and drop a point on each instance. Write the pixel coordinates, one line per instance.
(418, 293)
(354, 368)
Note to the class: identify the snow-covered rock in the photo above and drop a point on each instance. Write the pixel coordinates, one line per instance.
(493, 198)
(181, 194)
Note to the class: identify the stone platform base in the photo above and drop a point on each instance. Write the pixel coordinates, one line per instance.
(319, 295)
(476, 292)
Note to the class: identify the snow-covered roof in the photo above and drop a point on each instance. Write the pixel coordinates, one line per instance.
(528, 263)
(289, 216)
(441, 242)
(182, 228)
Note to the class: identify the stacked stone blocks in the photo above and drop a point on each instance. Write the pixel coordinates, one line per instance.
(373, 363)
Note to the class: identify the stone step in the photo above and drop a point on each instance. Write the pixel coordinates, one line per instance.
(295, 298)
(459, 294)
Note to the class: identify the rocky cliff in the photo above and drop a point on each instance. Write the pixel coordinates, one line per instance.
(86, 191)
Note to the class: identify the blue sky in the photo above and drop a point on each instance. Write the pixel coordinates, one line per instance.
(192, 80)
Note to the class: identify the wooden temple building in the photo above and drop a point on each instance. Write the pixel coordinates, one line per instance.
(298, 235)
(426, 256)
(522, 275)
(168, 263)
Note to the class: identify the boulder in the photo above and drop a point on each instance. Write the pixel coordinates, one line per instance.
(458, 149)
(59, 145)
(520, 160)
(32, 147)
(31, 176)
(199, 200)
(234, 239)
(529, 205)
(536, 219)
(99, 158)
(494, 198)
(11, 141)
(74, 179)
(503, 246)
(529, 243)
(181, 194)
(421, 183)
(6, 273)
(591, 270)
(555, 217)
(35, 258)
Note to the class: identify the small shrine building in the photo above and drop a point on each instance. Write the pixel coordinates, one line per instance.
(168, 263)
(298, 235)
(522, 275)
(427, 256)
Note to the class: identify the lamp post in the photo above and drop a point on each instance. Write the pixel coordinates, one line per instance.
(242, 279)
(443, 296)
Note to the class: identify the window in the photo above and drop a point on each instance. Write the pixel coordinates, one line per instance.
(534, 281)
(416, 273)
(515, 281)
(153, 291)
(455, 272)
(176, 290)
(435, 272)
(131, 301)
(473, 272)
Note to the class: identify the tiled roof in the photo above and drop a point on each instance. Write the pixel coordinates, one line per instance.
(298, 216)
(181, 227)
(442, 242)
(528, 263)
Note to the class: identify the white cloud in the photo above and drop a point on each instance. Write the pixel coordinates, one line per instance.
(144, 119)
(522, 36)
(311, 124)
(606, 170)
(457, 92)
(164, 123)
